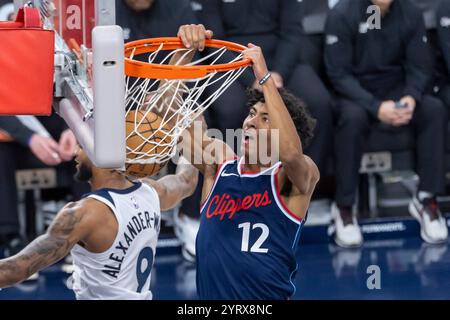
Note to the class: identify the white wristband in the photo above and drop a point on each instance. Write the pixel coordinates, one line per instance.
(265, 78)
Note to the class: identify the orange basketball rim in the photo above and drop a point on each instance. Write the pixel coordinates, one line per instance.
(139, 69)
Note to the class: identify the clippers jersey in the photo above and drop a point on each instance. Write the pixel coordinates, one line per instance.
(124, 270)
(247, 239)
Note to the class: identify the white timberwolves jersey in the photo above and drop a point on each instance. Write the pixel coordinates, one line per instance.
(124, 270)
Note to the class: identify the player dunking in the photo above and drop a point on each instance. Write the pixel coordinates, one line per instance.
(111, 233)
(251, 217)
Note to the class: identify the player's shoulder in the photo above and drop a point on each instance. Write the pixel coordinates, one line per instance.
(88, 209)
(212, 170)
(74, 214)
(80, 218)
(311, 177)
(79, 206)
(312, 167)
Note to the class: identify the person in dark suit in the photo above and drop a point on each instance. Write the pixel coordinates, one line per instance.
(380, 74)
(141, 19)
(24, 146)
(275, 26)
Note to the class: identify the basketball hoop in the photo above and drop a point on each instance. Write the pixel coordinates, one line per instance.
(175, 92)
(88, 84)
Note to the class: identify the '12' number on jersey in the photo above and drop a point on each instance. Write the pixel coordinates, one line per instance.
(246, 237)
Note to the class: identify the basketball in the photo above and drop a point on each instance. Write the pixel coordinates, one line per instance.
(145, 138)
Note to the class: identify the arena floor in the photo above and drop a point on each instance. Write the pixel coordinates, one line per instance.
(409, 269)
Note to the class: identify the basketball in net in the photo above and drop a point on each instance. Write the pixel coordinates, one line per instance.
(165, 94)
(147, 138)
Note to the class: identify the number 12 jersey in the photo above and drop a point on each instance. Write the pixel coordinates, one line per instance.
(247, 240)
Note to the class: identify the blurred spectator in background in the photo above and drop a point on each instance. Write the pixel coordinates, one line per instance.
(381, 74)
(34, 142)
(443, 29)
(275, 26)
(29, 142)
(141, 19)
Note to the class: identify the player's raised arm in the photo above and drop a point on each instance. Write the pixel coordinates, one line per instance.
(193, 37)
(173, 188)
(300, 169)
(69, 227)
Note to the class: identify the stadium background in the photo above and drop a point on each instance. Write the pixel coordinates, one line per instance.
(413, 269)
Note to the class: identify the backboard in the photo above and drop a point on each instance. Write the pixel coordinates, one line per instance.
(89, 90)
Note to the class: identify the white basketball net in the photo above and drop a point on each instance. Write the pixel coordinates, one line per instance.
(178, 102)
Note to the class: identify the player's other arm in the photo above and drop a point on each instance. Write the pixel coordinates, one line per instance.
(68, 228)
(201, 150)
(198, 148)
(300, 169)
(173, 188)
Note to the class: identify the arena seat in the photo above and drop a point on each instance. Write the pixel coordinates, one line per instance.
(400, 142)
(388, 149)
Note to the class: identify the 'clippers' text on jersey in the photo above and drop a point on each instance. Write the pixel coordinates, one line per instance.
(247, 239)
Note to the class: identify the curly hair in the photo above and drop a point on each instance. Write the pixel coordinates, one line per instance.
(300, 115)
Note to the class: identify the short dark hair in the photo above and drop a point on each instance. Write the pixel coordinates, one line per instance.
(298, 110)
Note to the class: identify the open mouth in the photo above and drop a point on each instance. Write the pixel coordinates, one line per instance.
(248, 136)
(248, 139)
